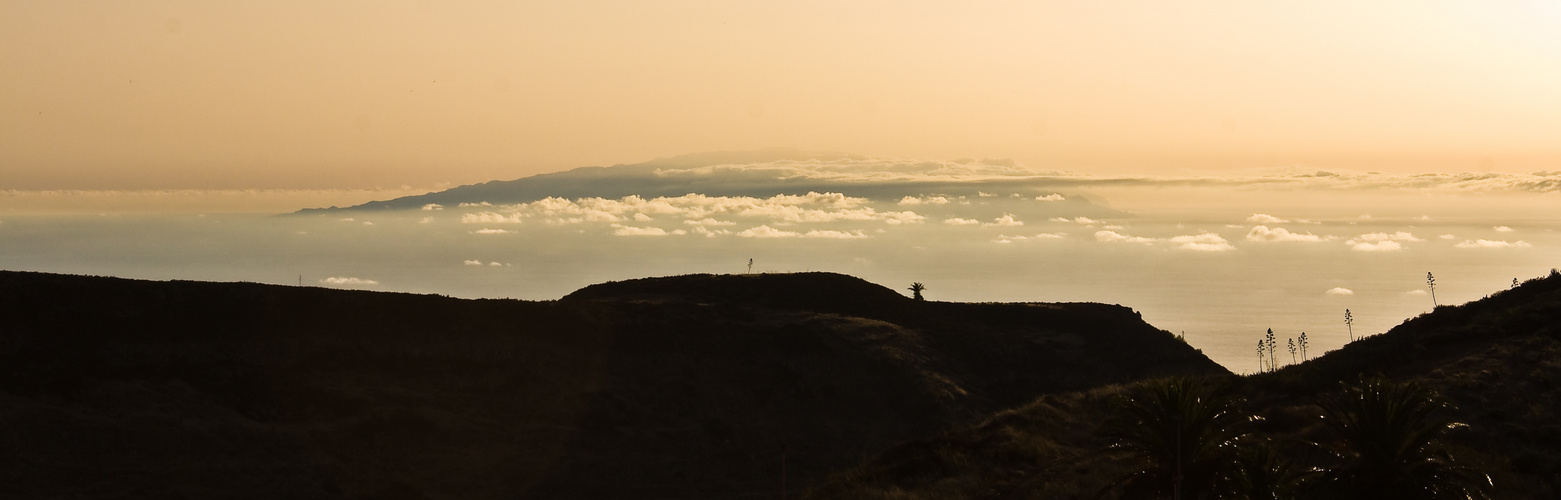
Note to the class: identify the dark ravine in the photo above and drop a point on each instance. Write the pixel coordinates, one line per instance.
(681, 387)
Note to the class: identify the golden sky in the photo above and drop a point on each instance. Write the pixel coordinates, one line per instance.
(364, 94)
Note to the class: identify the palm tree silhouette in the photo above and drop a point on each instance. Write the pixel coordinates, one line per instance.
(916, 289)
(1183, 434)
(1391, 435)
(1264, 474)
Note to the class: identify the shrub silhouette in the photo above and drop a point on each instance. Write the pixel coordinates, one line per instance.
(1391, 435)
(1184, 435)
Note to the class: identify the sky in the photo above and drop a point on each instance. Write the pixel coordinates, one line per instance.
(377, 98)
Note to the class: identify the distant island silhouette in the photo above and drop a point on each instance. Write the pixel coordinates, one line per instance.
(702, 173)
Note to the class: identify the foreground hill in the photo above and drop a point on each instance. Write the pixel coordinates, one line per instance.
(695, 386)
(1496, 360)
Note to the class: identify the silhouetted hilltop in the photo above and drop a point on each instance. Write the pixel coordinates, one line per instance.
(1494, 359)
(679, 387)
(816, 291)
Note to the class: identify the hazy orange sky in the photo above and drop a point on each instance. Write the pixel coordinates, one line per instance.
(349, 94)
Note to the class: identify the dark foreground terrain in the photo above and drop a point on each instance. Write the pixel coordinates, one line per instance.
(1497, 361)
(685, 387)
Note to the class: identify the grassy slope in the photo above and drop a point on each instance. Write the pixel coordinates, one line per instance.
(1498, 360)
(666, 388)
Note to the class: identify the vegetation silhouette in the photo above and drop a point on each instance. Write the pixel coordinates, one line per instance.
(1268, 341)
(1263, 473)
(1391, 434)
(916, 289)
(1349, 322)
(1262, 357)
(1183, 435)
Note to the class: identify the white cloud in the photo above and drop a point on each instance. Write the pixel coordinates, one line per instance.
(831, 234)
(1050, 197)
(1397, 236)
(348, 281)
(813, 207)
(708, 222)
(1004, 238)
(929, 200)
(1380, 242)
(1502, 229)
(1203, 242)
(491, 218)
(1415, 292)
(425, 220)
(469, 204)
(956, 221)
(1380, 246)
(708, 233)
(492, 231)
(1115, 237)
(472, 262)
(433, 206)
(1265, 219)
(1339, 291)
(906, 217)
(367, 223)
(766, 231)
(1448, 237)
(985, 194)
(1007, 220)
(1263, 233)
(1085, 220)
(497, 264)
(622, 230)
(1483, 243)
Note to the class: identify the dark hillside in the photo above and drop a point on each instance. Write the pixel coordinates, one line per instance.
(1496, 360)
(666, 388)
